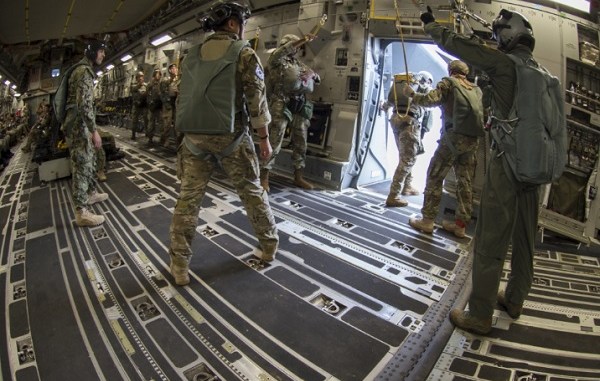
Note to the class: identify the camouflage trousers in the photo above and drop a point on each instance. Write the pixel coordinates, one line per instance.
(100, 159)
(168, 115)
(463, 160)
(83, 168)
(107, 137)
(241, 166)
(154, 123)
(407, 134)
(136, 114)
(298, 130)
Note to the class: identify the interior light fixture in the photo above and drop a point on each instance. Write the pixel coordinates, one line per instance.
(162, 39)
(13, 87)
(7, 82)
(126, 57)
(99, 73)
(17, 95)
(110, 67)
(581, 5)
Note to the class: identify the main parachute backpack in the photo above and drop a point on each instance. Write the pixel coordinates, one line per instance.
(534, 136)
(59, 103)
(206, 101)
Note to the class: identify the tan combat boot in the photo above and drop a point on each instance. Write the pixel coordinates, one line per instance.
(393, 201)
(454, 228)
(408, 190)
(264, 179)
(180, 274)
(101, 176)
(423, 224)
(83, 217)
(513, 310)
(95, 197)
(299, 180)
(464, 320)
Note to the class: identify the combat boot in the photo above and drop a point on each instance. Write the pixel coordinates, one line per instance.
(454, 227)
(83, 217)
(300, 182)
(513, 310)
(464, 320)
(101, 176)
(95, 197)
(264, 179)
(264, 256)
(408, 190)
(393, 201)
(180, 274)
(423, 224)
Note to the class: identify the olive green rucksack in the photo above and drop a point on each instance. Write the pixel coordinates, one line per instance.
(533, 136)
(59, 103)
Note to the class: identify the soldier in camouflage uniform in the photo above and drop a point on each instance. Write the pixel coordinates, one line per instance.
(168, 91)
(425, 84)
(288, 104)
(200, 154)
(154, 106)
(509, 209)
(457, 147)
(407, 133)
(40, 129)
(82, 135)
(109, 139)
(140, 104)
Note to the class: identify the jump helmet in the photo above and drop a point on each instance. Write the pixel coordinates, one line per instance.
(222, 11)
(510, 28)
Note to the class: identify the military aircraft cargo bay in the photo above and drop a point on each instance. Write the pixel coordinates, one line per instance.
(353, 294)
(91, 292)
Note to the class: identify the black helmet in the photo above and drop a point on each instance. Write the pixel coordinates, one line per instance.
(92, 47)
(222, 11)
(511, 28)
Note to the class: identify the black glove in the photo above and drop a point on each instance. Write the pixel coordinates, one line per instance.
(427, 17)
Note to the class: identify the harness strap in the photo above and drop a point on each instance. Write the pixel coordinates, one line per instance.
(446, 140)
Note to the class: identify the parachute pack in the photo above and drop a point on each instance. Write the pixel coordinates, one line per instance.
(467, 110)
(206, 102)
(534, 135)
(59, 103)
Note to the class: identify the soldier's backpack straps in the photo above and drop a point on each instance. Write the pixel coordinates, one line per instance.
(198, 152)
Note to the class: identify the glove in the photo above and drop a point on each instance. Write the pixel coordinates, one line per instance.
(427, 17)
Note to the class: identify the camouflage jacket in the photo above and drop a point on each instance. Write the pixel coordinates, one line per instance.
(169, 87)
(153, 90)
(282, 59)
(81, 94)
(139, 94)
